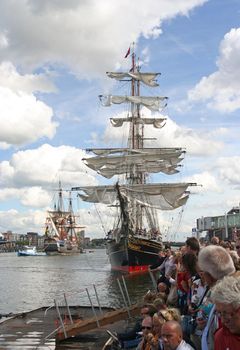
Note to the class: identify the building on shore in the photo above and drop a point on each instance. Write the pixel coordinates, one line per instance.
(226, 227)
(11, 241)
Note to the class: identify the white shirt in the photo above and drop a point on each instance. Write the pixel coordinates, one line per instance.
(184, 346)
(168, 264)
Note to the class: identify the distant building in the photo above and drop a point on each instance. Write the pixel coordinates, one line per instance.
(32, 238)
(40, 242)
(81, 234)
(98, 242)
(225, 226)
(86, 241)
(8, 236)
(22, 238)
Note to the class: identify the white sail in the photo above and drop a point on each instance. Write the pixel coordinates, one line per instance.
(153, 103)
(161, 203)
(156, 122)
(146, 78)
(162, 196)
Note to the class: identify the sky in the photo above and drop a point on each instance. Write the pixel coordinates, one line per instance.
(53, 59)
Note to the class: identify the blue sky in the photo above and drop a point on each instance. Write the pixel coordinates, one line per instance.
(53, 59)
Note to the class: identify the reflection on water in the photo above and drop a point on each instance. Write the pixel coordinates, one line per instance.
(137, 286)
(31, 282)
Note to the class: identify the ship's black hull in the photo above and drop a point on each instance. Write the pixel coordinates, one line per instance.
(133, 254)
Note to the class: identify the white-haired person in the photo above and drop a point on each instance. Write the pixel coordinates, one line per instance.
(214, 263)
(226, 296)
(235, 258)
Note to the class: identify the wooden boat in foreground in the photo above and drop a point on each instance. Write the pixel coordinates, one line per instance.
(41, 328)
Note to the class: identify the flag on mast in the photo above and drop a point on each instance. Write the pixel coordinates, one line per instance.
(128, 53)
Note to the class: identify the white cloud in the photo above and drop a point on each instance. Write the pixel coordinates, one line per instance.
(82, 26)
(29, 197)
(207, 182)
(98, 219)
(44, 166)
(222, 88)
(24, 118)
(28, 83)
(3, 40)
(4, 145)
(25, 222)
(229, 169)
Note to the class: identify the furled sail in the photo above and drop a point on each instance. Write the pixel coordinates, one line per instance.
(149, 161)
(146, 78)
(108, 172)
(132, 159)
(153, 103)
(108, 151)
(156, 122)
(162, 196)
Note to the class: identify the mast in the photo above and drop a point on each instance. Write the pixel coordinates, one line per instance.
(70, 217)
(133, 141)
(60, 206)
(137, 177)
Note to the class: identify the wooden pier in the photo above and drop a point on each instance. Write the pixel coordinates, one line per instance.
(102, 321)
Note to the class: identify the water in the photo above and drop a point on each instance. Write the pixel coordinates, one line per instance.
(28, 283)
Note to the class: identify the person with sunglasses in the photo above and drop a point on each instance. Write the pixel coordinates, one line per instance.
(132, 334)
(147, 328)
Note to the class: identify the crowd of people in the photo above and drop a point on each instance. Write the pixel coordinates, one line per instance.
(197, 301)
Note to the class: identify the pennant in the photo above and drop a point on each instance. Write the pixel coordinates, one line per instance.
(128, 53)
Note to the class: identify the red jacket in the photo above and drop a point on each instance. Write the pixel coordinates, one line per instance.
(225, 340)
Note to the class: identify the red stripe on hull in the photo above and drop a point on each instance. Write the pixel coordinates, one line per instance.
(131, 269)
(137, 269)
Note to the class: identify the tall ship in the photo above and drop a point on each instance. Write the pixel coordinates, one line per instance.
(136, 238)
(62, 233)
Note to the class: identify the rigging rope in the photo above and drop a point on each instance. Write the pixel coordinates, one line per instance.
(100, 219)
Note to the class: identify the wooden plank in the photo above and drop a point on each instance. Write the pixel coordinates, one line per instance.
(81, 326)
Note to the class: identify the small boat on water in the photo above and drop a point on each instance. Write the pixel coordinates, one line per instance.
(30, 251)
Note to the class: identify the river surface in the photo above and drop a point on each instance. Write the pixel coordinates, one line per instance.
(28, 283)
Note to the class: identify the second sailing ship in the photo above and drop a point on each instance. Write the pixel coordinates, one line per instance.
(62, 233)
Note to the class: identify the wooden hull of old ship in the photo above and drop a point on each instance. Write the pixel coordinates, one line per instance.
(55, 247)
(133, 255)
